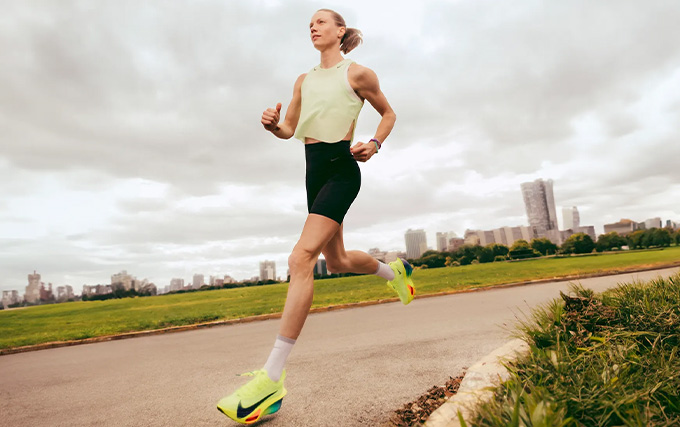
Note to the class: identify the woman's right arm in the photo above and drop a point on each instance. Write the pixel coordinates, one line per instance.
(271, 116)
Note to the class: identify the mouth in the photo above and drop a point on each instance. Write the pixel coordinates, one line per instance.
(314, 37)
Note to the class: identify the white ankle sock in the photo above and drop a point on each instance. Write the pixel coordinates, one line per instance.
(278, 356)
(384, 271)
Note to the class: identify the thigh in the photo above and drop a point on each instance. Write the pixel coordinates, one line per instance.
(316, 234)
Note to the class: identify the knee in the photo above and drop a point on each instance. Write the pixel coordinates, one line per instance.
(301, 260)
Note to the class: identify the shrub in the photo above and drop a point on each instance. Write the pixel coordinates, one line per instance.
(579, 243)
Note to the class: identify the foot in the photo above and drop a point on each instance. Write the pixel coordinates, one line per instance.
(402, 283)
(260, 396)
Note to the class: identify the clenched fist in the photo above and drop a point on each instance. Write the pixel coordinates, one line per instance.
(271, 117)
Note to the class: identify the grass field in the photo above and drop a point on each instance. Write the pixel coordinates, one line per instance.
(607, 359)
(78, 320)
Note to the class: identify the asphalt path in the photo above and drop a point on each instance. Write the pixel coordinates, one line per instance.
(350, 367)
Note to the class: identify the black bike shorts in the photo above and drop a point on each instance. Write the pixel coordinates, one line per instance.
(333, 179)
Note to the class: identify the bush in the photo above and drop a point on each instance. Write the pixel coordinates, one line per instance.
(579, 243)
(543, 246)
(521, 250)
(500, 258)
(609, 241)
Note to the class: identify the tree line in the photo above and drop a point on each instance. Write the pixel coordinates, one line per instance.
(579, 243)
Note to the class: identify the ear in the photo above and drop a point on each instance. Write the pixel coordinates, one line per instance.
(341, 32)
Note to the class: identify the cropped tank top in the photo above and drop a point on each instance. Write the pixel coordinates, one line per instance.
(329, 104)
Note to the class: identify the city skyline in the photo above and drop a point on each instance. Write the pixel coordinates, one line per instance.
(131, 136)
(418, 236)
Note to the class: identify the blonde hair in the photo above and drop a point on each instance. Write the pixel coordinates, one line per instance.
(352, 37)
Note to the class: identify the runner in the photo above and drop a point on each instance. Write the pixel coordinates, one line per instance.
(322, 114)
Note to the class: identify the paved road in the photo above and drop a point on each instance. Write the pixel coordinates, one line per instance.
(349, 368)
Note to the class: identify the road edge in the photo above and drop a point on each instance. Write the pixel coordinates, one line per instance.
(477, 385)
(125, 335)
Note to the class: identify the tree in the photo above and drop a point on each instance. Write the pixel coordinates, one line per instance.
(579, 243)
(466, 253)
(635, 239)
(677, 237)
(485, 254)
(544, 246)
(521, 250)
(609, 241)
(498, 249)
(433, 260)
(661, 237)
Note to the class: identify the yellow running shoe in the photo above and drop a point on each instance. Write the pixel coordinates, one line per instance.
(260, 396)
(402, 283)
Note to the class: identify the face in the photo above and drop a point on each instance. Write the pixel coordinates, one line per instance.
(323, 30)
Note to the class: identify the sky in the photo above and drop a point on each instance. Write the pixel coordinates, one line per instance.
(130, 135)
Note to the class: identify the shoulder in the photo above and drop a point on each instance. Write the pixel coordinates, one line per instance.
(300, 79)
(360, 76)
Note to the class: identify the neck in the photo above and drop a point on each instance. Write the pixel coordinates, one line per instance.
(330, 57)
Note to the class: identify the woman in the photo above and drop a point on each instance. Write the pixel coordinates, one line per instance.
(322, 114)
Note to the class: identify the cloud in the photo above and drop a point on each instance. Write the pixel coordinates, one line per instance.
(131, 135)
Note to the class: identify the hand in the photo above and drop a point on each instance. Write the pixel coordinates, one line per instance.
(271, 117)
(363, 151)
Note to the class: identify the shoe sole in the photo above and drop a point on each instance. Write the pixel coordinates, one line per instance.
(257, 413)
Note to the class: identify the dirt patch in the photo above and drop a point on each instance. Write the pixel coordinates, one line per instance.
(417, 412)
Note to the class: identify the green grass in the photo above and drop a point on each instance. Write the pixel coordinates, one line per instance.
(596, 360)
(78, 320)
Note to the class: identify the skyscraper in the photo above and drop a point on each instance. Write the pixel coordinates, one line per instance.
(267, 270)
(198, 281)
(416, 243)
(540, 205)
(320, 267)
(571, 217)
(32, 295)
(443, 240)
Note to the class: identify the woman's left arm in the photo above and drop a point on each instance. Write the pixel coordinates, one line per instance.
(365, 83)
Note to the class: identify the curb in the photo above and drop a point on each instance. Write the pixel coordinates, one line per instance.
(58, 344)
(477, 386)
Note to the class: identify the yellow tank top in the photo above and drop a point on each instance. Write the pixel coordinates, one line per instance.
(329, 104)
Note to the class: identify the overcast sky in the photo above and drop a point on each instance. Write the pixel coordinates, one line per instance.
(130, 133)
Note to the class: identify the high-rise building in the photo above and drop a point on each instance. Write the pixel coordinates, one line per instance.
(443, 240)
(455, 243)
(540, 205)
(571, 217)
(267, 270)
(176, 284)
(122, 280)
(416, 243)
(9, 298)
(503, 236)
(32, 295)
(198, 281)
(64, 293)
(653, 223)
(623, 227)
(320, 267)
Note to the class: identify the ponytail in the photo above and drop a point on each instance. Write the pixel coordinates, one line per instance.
(350, 40)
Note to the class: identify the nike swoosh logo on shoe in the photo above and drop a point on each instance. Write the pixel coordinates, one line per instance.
(242, 412)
